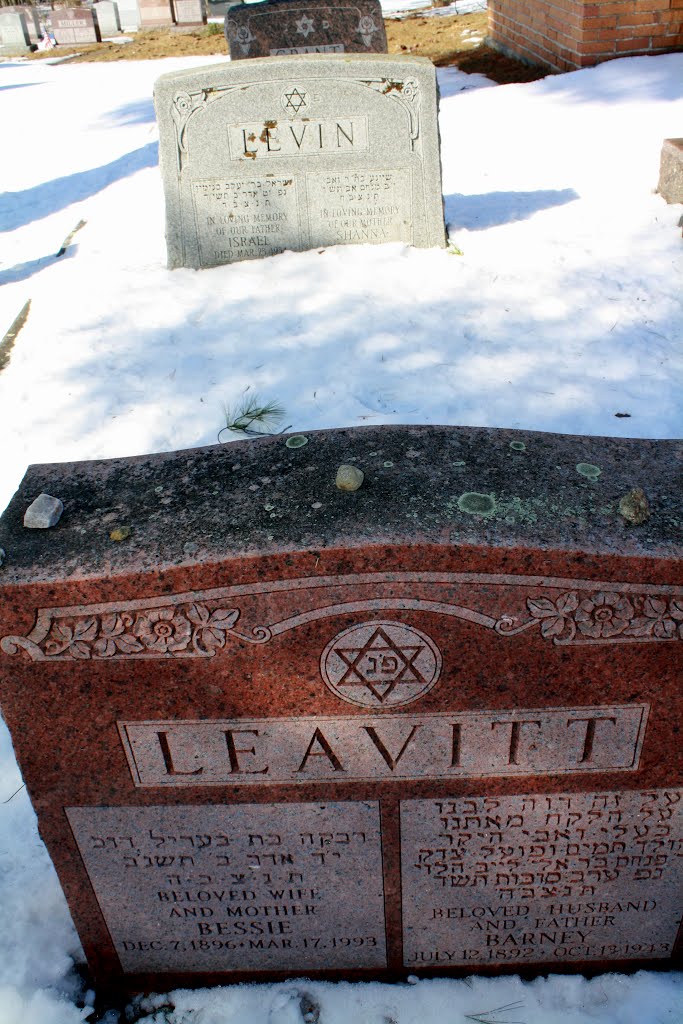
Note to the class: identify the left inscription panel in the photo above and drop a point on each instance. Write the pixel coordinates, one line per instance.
(238, 888)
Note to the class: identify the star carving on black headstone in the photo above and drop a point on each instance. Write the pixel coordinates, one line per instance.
(381, 665)
(295, 100)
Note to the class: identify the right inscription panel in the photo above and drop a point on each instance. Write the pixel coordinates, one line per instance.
(580, 876)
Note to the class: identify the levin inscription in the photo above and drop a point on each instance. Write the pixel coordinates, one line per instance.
(238, 888)
(541, 878)
(437, 746)
(297, 138)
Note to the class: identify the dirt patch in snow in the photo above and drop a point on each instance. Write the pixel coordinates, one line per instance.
(448, 40)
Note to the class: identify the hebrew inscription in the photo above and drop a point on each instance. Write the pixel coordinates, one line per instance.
(361, 206)
(542, 878)
(237, 888)
(245, 218)
(381, 748)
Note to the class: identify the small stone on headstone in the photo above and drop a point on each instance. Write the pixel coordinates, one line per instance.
(349, 478)
(43, 513)
(634, 507)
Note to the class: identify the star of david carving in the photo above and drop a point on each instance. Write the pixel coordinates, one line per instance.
(381, 665)
(295, 100)
(305, 25)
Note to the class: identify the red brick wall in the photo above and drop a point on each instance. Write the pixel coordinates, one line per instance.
(568, 34)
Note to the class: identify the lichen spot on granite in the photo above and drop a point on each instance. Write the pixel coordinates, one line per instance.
(518, 446)
(476, 504)
(120, 533)
(296, 441)
(588, 470)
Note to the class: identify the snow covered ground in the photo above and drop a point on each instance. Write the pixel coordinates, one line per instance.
(564, 309)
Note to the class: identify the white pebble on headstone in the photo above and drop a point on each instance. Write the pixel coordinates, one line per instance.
(43, 513)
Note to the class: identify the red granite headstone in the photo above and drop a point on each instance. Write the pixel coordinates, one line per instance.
(156, 13)
(74, 25)
(277, 28)
(277, 728)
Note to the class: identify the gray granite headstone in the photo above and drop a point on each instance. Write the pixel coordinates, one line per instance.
(31, 17)
(75, 25)
(275, 28)
(129, 14)
(189, 12)
(107, 15)
(14, 37)
(296, 153)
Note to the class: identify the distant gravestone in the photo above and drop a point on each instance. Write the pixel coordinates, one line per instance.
(275, 28)
(189, 12)
(107, 15)
(32, 19)
(670, 185)
(74, 25)
(14, 36)
(155, 13)
(129, 14)
(429, 726)
(298, 152)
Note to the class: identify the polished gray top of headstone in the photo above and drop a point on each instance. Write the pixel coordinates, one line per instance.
(296, 153)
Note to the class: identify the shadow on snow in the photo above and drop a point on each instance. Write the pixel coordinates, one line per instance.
(494, 208)
(139, 112)
(22, 271)
(20, 208)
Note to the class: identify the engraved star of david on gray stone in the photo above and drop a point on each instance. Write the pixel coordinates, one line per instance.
(294, 100)
(305, 25)
(381, 664)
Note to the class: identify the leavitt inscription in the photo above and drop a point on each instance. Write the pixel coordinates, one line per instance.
(384, 747)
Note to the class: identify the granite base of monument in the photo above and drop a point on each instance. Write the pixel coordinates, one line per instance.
(428, 726)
